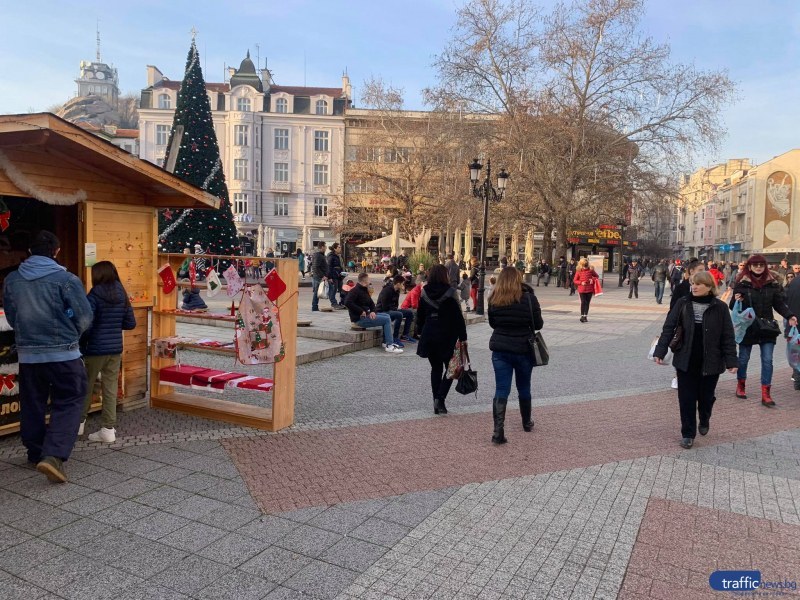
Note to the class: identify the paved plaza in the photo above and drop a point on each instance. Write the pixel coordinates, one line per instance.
(370, 495)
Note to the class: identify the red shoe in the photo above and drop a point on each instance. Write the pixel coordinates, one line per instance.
(766, 399)
(740, 389)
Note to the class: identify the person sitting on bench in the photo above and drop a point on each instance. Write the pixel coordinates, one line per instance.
(192, 300)
(361, 309)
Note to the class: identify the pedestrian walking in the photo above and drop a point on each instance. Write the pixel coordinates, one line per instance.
(585, 278)
(635, 272)
(102, 345)
(452, 270)
(514, 316)
(759, 289)
(335, 271)
(319, 274)
(706, 348)
(301, 263)
(572, 268)
(48, 310)
(440, 323)
(659, 277)
(684, 288)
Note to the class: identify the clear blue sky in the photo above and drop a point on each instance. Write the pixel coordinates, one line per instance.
(44, 41)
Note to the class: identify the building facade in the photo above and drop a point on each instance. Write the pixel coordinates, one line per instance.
(282, 150)
(753, 209)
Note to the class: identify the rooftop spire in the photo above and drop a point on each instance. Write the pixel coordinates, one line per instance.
(97, 54)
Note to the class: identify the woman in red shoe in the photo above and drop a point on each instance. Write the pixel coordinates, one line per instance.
(584, 279)
(758, 289)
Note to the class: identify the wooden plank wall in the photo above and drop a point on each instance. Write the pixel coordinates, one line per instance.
(126, 235)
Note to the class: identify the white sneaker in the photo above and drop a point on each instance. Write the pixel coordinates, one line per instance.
(104, 435)
(391, 348)
(674, 383)
(80, 429)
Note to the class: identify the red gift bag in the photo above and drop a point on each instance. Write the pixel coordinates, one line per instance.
(598, 289)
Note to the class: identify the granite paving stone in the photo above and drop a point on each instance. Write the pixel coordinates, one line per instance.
(321, 580)
(233, 549)
(275, 564)
(237, 585)
(191, 574)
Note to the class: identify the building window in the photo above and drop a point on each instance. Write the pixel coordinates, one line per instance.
(240, 204)
(258, 171)
(320, 141)
(240, 135)
(389, 155)
(281, 105)
(320, 207)
(162, 135)
(281, 205)
(164, 101)
(243, 104)
(351, 153)
(258, 136)
(359, 186)
(320, 174)
(372, 154)
(281, 172)
(281, 139)
(322, 107)
(240, 169)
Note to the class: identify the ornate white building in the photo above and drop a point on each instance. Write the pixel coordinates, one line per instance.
(282, 150)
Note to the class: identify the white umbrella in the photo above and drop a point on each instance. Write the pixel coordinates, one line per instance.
(457, 242)
(447, 247)
(260, 241)
(529, 247)
(305, 245)
(468, 241)
(514, 246)
(386, 242)
(502, 249)
(395, 239)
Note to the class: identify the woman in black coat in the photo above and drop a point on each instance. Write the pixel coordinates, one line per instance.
(706, 348)
(758, 289)
(441, 324)
(514, 316)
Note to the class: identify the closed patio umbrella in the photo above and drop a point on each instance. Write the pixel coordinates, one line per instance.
(514, 247)
(502, 246)
(529, 248)
(457, 242)
(468, 242)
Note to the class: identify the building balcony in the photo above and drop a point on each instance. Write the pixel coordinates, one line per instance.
(722, 215)
(739, 209)
(280, 186)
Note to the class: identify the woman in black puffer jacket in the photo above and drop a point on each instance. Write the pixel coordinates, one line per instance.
(758, 289)
(514, 314)
(440, 322)
(102, 344)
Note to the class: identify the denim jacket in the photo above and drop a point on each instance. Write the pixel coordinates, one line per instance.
(48, 310)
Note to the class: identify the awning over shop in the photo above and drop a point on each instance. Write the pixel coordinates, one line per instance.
(786, 245)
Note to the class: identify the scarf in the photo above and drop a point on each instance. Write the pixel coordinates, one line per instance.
(758, 281)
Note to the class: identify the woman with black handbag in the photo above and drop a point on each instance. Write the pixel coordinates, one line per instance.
(760, 290)
(700, 333)
(514, 316)
(440, 323)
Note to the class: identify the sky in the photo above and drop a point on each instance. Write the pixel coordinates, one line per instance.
(312, 42)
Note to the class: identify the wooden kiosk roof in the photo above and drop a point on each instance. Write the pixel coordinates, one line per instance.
(60, 157)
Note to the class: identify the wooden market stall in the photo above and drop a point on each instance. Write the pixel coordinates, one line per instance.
(102, 203)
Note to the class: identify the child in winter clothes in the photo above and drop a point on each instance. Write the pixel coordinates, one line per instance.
(465, 287)
(192, 300)
(102, 344)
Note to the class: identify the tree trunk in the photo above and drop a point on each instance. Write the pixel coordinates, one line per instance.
(561, 236)
(547, 242)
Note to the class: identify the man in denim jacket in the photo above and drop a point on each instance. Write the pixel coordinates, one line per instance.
(48, 310)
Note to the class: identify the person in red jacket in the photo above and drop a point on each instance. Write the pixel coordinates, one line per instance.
(411, 301)
(718, 276)
(585, 277)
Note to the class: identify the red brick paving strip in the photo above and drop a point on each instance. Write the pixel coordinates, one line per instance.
(680, 545)
(325, 467)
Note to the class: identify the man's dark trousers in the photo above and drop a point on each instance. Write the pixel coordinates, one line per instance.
(64, 383)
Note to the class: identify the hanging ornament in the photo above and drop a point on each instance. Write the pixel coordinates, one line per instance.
(167, 276)
(168, 215)
(5, 216)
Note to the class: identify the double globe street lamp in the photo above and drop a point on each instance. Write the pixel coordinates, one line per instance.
(486, 192)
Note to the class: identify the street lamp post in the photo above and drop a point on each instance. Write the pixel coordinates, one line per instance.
(621, 225)
(485, 191)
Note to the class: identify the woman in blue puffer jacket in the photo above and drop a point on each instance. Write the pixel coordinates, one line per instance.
(102, 344)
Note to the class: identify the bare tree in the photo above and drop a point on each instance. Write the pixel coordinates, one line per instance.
(594, 111)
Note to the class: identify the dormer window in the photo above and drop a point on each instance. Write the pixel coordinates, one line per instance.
(322, 107)
(164, 101)
(243, 104)
(281, 105)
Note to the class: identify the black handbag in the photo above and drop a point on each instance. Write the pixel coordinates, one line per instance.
(539, 352)
(468, 380)
(764, 328)
(676, 343)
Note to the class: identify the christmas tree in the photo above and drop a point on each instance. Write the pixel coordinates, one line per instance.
(198, 163)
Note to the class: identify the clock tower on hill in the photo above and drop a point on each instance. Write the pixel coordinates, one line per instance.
(98, 79)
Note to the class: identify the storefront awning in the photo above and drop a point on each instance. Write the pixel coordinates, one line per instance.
(785, 245)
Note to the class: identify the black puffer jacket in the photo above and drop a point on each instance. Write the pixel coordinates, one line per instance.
(112, 313)
(719, 347)
(512, 324)
(440, 327)
(770, 297)
(388, 299)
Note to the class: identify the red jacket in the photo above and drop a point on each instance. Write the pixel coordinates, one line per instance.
(412, 298)
(584, 280)
(717, 275)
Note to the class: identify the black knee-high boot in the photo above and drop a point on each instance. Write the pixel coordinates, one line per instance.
(499, 413)
(525, 412)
